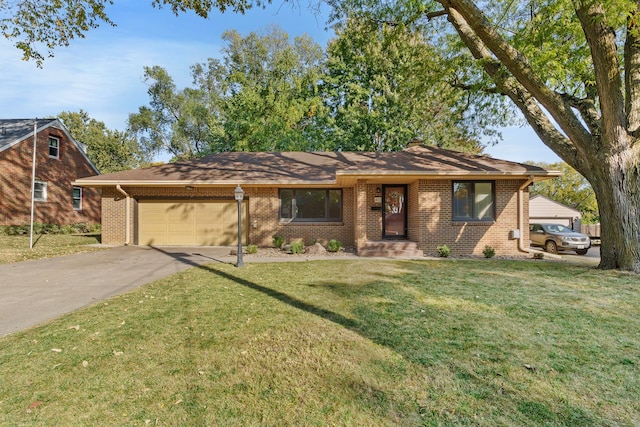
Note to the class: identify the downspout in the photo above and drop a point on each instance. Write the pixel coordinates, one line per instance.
(521, 246)
(127, 226)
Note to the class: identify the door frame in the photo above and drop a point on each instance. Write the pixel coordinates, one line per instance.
(406, 210)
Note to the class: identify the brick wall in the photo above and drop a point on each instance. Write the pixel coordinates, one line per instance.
(437, 227)
(413, 212)
(429, 217)
(15, 183)
(263, 217)
(374, 217)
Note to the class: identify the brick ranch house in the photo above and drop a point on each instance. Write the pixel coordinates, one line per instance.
(60, 160)
(424, 195)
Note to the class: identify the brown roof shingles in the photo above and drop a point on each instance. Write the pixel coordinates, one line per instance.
(319, 168)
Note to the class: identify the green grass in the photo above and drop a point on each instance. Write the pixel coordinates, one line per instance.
(349, 342)
(16, 248)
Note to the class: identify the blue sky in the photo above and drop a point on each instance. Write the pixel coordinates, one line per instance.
(102, 74)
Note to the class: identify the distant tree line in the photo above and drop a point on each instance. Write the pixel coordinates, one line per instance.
(374, 88)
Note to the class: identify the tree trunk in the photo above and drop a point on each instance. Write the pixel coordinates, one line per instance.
(615, 178)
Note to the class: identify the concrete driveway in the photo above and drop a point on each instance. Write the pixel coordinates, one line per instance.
(33, 292)
(592, 256)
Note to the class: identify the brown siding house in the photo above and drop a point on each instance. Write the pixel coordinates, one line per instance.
(423, 196)
(60, 160)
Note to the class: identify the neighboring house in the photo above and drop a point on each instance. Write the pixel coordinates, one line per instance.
(59, 161)
(424, 195)
(544, 210)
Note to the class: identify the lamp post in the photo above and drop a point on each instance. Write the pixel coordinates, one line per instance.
(239, 195)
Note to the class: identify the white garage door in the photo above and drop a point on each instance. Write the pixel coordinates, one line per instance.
(188, 222)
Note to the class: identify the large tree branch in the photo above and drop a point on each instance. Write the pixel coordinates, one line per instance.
(632, 71)
(508, 85)
(588, 111)
(520, 68)
(602, 42)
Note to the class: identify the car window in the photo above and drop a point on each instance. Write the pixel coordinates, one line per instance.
(557, 228)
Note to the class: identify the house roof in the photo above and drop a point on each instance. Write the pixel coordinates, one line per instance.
(319, 169)
(14, 131)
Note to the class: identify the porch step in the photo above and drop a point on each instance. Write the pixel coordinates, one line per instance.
(391, 249)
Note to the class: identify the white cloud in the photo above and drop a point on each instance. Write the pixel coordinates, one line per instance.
(104, 78)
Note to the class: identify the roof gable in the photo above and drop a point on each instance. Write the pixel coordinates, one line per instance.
(14, 131)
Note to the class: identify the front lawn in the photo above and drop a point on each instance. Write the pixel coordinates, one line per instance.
(344, 342)
(16, 248)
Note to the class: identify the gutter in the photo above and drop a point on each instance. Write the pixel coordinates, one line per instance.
(521, 243)
(127, 226)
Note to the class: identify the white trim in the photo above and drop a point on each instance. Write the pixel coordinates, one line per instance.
(57, 148)
(43, 190)
(73, 198)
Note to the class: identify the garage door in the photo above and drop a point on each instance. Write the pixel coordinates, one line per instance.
(188, 222)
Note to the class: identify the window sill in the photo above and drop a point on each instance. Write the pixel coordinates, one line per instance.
(313, 223)
(471, 223)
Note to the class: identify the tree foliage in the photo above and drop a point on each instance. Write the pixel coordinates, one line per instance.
(180, 122)
(372, 90)
(37, 25)
(271, 90)
(384, 88)
(262, 96)
(109, 150)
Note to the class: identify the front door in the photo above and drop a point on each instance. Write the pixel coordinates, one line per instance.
(394, 212)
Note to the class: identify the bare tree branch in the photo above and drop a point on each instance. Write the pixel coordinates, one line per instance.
(588, 111)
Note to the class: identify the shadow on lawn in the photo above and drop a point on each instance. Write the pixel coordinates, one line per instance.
(468, 344)
(370, 323)
(280, 296)
(376, 397)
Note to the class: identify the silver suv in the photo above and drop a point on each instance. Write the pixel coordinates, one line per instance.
(557, 237)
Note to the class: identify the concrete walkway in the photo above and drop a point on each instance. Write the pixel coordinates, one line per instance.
(33, 292)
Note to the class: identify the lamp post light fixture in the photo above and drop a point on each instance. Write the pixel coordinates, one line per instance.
(239, 195)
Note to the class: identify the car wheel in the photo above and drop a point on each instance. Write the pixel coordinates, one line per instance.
(551, 247)
(581, 251)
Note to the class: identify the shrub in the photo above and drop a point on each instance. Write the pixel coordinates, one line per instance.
(443, 251)
(16, 230)
(489, 252)
(334, 245)
(252, 249)
(39, 228)
(296, 247)
(538, 255)
(278, 241)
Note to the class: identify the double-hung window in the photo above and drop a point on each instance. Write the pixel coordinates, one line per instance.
(54, 147)
(40, 191)
(77, 198)
(311, 205)
(474, 201)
